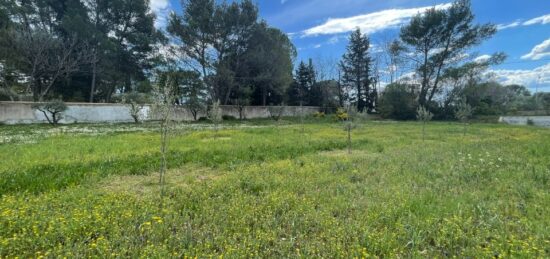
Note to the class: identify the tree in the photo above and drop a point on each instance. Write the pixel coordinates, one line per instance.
(45, 58)
(216, 115)
(357, 71)
(300, 91)
(163, 105)
(424, 116)
(463, 113)
(267, 65)
(398, 101)
(438, 38)
(193, 92)
(52, 110)
(351, 118)
(135, 102)
(456, 79)
(72, 48)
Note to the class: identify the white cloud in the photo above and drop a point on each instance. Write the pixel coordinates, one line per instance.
(482, 58)
(539, 51)
(538, 20)
(541, 19)
(368, 23)
(507, 26)
(316, 46)
(539, 76)
(161, 8)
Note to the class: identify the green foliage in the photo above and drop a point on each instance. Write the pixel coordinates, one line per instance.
(398, 101)
(341, 114)
(135, 101)
(319, 115)
(463, 112)
(215, 114)
(438, 36)
(94, 44)
(358, 71)
(52, 110)
(423, 115)
(251, 62)
(82, 195)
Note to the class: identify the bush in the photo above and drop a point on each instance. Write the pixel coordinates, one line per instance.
(319, 115)
(229, 118)
(341, 114)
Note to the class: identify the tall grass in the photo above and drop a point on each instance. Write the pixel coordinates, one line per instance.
(259, 192)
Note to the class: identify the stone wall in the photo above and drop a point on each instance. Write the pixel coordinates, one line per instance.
(543, 121)
(22, 113)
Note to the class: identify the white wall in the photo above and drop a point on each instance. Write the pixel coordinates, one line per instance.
(22, 112)
(543, 121)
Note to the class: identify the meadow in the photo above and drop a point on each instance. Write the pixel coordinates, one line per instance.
(281, 190)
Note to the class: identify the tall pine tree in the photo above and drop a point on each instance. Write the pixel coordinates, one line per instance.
(357, 71)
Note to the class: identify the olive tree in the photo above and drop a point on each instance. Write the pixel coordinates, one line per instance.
(135, 102)
(463, 113)
(163, 106)
(52, 110)
(352, 118)
(424, 116)
(215, 114)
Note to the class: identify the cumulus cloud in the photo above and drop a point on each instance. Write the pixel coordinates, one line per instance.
(539, 51)
(368, 23)
(161, 8)
(538, 76)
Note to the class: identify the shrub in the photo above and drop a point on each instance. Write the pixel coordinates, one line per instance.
(341, 114)
(52, 110)
(228, 118)
(319, 115)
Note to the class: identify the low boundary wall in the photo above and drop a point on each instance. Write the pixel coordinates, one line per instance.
(543, 121)
(23, 113)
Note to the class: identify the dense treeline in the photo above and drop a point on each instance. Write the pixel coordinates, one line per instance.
(110, 50)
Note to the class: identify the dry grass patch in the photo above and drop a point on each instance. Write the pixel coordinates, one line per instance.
(146, 185)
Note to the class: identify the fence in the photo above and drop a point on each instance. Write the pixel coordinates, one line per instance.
(23, 113)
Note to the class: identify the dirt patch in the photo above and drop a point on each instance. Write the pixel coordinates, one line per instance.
(144, 185)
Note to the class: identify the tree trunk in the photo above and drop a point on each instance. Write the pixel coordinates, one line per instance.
(349, 137)
(94, 72)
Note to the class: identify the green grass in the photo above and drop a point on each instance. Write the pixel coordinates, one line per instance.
(264, 190)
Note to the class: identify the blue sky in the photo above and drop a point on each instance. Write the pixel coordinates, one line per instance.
(319, 29)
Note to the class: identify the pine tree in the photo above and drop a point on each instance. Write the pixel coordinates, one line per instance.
(356, 66)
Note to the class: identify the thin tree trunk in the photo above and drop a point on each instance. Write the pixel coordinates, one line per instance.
(94, 72)
(163, 148)
(349, 138)
(423, 131)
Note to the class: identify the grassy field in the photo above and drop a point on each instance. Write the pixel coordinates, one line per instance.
(265, 190)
